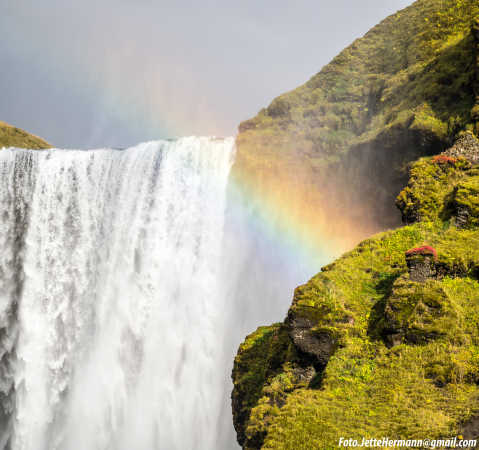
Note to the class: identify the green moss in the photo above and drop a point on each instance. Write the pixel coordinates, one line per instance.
(429, 193)
(259, 358)
(404, 90)
(407, 363)
(467, 197)
(417, 64)
(420, 312)
(458, 252)
(15, 137)
(375, 391)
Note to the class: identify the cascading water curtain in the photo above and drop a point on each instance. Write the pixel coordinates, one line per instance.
(111, 315)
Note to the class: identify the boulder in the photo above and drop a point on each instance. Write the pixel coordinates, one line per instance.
(421, 263)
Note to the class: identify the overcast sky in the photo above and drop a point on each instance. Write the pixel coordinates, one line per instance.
(92, 73)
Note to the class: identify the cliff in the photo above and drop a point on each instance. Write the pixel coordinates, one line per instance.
(385, 340)
(15, 137)
(340, 143)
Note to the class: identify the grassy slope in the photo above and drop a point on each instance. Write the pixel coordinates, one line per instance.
(415, 69)
(402, 91)
(425, 386)
(15, 137)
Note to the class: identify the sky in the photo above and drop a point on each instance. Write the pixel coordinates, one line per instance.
(112, 73)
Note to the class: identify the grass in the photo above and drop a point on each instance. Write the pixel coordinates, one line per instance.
(15, 137)
(415, 69)
(424, 382)
(404, 90)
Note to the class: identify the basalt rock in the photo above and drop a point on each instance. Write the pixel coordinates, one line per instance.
(462, 216)
(421, 263)
(467, 146)
(318, 345)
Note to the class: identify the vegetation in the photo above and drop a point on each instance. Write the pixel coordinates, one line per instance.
(406, 363)
(404, 90)
(416, 69)
(385, 340)
(15, 137)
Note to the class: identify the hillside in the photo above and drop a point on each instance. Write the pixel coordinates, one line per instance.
(385, 340)
(340, 143)
(15, 137)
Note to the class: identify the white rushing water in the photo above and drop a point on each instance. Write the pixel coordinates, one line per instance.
(111, 313)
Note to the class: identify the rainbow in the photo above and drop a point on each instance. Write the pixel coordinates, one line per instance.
(301, 223)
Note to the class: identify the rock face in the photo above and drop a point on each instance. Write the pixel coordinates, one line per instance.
(421, 263)
(316, 345)
(382, 341)
(467, 146)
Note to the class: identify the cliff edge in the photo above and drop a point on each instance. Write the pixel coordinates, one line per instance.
(385, 340)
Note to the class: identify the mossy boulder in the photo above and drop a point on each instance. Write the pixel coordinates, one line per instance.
(431, 189)
(417, 313)
(421, 263)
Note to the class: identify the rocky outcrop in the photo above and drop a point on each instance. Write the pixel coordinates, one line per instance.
(380, 341)
(467, 147)
(386, 336)
(417, 313)
(421, 263)
(316, 345)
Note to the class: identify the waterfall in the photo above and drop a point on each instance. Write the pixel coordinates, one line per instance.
(111, 310)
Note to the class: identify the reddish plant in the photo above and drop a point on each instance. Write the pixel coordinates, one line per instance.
(425, 250)
(444, 159)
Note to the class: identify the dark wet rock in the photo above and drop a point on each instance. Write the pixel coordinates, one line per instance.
(421, 263)
(319, 345)
(462, 216)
